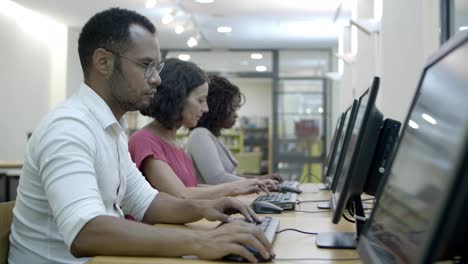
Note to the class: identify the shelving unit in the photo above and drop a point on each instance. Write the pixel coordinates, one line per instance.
(234, 140)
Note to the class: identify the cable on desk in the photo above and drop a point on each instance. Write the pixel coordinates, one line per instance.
(312, 212)
(296, 230)
(318, 259)
(312, 201)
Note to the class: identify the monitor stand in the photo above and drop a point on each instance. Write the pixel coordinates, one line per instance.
(344, 240)
(324, 205)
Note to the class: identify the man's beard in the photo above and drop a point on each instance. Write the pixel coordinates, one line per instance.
(118, 84)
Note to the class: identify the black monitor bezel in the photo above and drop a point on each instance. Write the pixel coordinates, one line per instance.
(335, 142)
(433, 249)
(352, 111)
(361, 158)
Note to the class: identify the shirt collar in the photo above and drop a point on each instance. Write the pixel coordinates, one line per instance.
(99, 108)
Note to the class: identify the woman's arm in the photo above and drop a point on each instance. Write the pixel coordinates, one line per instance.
(160, 175)
(203, 150)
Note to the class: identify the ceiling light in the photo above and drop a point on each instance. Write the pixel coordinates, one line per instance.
(204, 1)
(184, 57)
(261, 68)
(429, 119)
(463, 28)
(320, 109)
(256, 56)
(192, 42)
(224, 29)
(179, 29)
(413, 124)
(150, 3)
(169, 17)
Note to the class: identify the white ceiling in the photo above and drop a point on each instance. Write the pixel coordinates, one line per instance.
(257, 24)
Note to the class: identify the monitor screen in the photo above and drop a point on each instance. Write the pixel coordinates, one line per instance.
(360, 151)
(334, 143)
(342, 144)
(425, 167)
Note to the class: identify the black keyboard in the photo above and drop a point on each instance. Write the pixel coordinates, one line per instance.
(269, 226)
(286, 201)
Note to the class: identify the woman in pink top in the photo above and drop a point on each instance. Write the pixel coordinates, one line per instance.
(180, 101)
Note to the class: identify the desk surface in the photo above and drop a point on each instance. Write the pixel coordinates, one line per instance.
(289, 246)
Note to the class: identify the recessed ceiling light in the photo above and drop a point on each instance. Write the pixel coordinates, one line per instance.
(204, 1)
(192, 42)
(150, 3)
(179, 29)
(224, 29)
(184, 57)
(463, 28)
(413, 124)
(256, 56)
(167, 19)
(320, 109)
(261, 68)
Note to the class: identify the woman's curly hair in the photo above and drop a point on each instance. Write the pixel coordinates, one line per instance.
(178, 79)
(221, 98)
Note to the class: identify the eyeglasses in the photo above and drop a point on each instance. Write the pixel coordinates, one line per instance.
(150, 68)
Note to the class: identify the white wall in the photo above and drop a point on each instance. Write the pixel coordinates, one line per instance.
(407, 41)
(258, 93)
(409, 35)
(32, 77)
(74, 71)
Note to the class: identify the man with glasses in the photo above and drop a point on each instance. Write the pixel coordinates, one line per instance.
(78, 180)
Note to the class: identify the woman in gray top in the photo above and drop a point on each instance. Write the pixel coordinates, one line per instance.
(213, 161)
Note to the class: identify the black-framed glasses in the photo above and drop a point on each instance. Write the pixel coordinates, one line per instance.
(150, 68)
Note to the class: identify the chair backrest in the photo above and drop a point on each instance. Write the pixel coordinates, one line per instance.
(6, 216)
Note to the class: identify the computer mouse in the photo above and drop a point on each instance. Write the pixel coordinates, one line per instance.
(285, 188)
(261, 207)
(237, 258)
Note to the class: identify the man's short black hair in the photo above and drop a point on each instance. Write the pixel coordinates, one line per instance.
(178, 79)
(108, 29)
(222, 95)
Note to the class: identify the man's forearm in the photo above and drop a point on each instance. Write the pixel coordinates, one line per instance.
(166, 208)
(106, 235)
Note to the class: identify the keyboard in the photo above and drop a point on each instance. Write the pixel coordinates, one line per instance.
(287, 201)
(294, 184)
(269, 226)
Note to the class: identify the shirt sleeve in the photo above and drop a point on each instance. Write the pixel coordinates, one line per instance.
(139, 193)
(66, 164)
(142, 146)
(204, 153)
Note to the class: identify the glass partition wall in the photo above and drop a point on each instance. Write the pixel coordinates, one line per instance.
(282, 125)
(300, 118)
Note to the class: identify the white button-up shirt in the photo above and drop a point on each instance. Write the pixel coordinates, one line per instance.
(76, 167)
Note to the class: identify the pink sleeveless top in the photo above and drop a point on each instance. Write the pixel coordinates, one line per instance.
(144, 144)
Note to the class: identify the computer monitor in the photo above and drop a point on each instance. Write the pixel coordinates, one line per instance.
(343, 141)
(359, 154)
(334, 143)
(421, 211)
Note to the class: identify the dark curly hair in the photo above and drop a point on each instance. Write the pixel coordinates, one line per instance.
(108, 29)
(221, 96)
(178, 79)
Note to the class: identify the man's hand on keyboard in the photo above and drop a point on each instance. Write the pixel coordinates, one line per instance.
(231, 238)
(221, 209)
